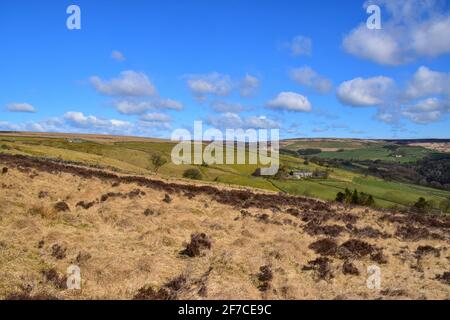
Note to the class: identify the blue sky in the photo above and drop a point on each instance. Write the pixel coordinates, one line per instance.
(311, 68)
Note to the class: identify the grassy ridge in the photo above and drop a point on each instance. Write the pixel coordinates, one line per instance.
(134, 157)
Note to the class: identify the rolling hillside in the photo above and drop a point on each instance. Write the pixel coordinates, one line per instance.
(133, 156)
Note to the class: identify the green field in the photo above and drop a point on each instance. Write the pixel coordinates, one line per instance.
(134, 157)
(326, 144)
(378, 152)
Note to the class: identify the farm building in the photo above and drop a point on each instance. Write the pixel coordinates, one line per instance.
(301, 174)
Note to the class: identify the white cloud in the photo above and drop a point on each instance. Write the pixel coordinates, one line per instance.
(20, 107)
(261, 122)
(79, 120)
(361, 92)
(118, 56)
(410, 30)
(428, 82)
(169, 104)
(290, 101)
(216, 84)
(427, 110)
(432, 37)
(158, 117)
(222, 107)
(153, 127)
(424, 99)
(129, 83)
(7, 126)
(155, 121)
(300, 45)
(248, 86)
(233, 121)
(202, 85)
(380, 46)
(131, 107)
(309, 78)
(226, 120)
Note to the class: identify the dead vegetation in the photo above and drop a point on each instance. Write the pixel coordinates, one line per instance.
(243, 244)
(199, 242)
(445, 277)
(322, 268)
(61, 206)
(58, 251)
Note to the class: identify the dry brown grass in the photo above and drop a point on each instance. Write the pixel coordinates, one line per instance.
(124, 253)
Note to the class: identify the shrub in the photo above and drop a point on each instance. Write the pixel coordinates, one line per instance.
(355, 197)
(422, 205)
(199, 242)
(340, 197)
(158, 161)
(193, 173)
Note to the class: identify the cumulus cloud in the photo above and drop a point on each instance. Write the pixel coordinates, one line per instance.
(155, 121)
(223, 107)
(410, 30)
(300, 45)
(388, 115)
(261, 122)
(20, 107)
(226, 120)
(233, 121)
(73, 121)
(427, 110)
(169, 104)
(361, 92)
(306, 76)
(424, 99)
(216, 84)
(153, 127)
(152, 124)
(132, 107)
(248, 86)
(128, 84)
(159, 117)
(79, 120)
(428, 82)
(117, 55)
(290, 101)
(202, 85)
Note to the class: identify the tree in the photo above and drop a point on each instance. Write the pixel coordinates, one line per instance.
(158, 161)
(348, 195)
(340, 197)
(355, 197)
(193, 173)
(366, 199)
(370, 200)
(422, 205)
(361, 198)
